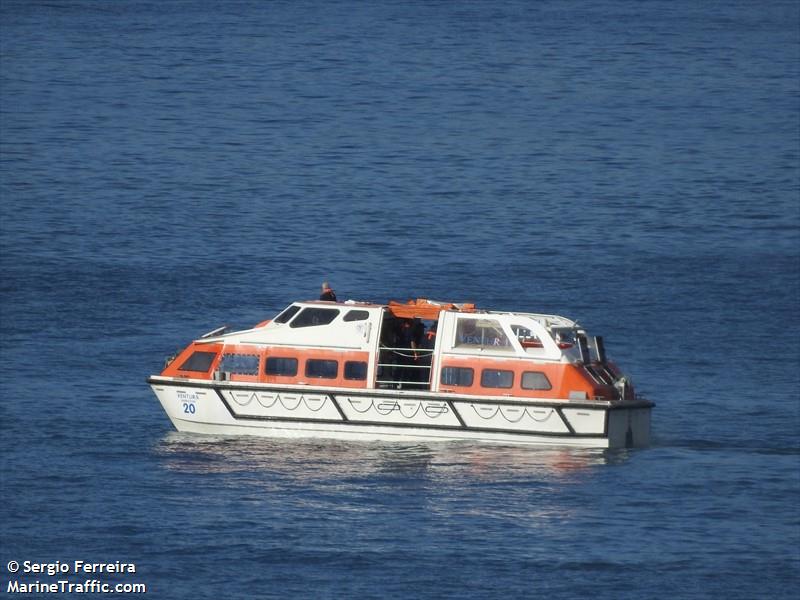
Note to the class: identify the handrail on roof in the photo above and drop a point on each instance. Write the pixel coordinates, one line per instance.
(422, 308)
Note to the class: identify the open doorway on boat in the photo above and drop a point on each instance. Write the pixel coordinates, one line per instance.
(405, 353)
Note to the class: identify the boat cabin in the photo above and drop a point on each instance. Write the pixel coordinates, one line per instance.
(415, 346)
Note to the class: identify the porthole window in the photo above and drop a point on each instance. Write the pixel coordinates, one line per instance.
(279, 365)
(460, 376)
(355, 370)
(535, 380)
(322, 369)
(495, 378)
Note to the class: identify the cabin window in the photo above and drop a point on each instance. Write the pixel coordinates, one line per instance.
(322, 369)
(526, 337)
(495, 378)
(287, 314)
(481, 333)
(565, 338)
(356, 315)
(279, 365)
(241, 364)
(199, 361)
(355, 370)
(535, 380)
(461, 376)
(310, 317)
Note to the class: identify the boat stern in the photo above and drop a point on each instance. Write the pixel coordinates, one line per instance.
(629, 424)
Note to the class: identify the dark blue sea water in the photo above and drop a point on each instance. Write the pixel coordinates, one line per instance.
(168, 167)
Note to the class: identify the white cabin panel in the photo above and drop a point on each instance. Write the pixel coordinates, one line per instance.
(337, 334)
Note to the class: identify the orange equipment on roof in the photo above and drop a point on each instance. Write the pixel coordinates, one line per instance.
(425, 309)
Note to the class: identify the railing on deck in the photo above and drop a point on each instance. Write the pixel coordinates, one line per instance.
(412, 368)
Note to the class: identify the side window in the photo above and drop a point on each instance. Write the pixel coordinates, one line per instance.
(199, 362)
(310, 317)
(461, 376)
(535, 380)
(242, 364)
(356, 315)
(495, 378)
(287, 314)
(278, 365)
(481, 333)
(565, 338)
(355, 370)
(526, 337)
(322, 369)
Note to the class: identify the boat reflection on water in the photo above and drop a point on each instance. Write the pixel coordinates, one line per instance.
(534, 488)
(319, 459)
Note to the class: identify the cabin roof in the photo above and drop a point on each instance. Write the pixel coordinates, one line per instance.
(428, 310)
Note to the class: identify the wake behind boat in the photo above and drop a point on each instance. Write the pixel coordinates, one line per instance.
(419, 370)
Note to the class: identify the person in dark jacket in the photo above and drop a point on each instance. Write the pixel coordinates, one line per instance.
(327, 293)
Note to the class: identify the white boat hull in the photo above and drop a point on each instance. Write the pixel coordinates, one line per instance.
(225, 408)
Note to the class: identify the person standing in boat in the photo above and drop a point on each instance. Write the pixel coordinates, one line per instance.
(409, 339)
(429, 341)
(327, 293)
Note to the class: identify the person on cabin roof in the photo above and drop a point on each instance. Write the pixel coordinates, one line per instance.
(327, 293)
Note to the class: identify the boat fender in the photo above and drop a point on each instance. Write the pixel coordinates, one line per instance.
(629, 433)
(629, 438)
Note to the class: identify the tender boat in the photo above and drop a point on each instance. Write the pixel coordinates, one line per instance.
(419, 370)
